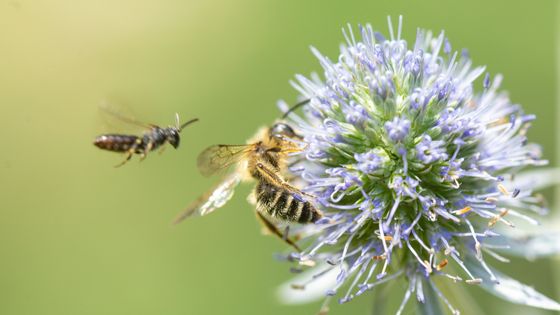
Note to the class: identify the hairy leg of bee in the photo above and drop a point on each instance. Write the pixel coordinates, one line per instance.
(274, 177)
(274, 230)
(162, 149)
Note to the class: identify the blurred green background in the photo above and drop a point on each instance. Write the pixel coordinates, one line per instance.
(78, 236)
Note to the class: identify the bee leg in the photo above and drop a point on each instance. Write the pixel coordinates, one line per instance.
(147, 149)
(294, 149)
(270, 227)
(162, 149)
(274, 177)
(129, 154)
(295, 238)
(293, 189)
(128, 157)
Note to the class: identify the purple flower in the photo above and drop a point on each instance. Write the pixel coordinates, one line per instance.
(413, 169)
(429, 151)
(397, 129)
(368, 162)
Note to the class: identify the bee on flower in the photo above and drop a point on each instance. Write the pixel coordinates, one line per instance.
(412, 155)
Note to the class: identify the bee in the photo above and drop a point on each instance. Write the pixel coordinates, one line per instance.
(153, 138)
(264, 160)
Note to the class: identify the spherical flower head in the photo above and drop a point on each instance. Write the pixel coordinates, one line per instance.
(411, 157)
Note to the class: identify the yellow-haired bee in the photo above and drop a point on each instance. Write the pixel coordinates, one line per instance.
(262, 160)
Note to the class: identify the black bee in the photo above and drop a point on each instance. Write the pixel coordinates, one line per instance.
(152, 139)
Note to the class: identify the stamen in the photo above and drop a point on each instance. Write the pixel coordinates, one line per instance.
(497, 246)
(499, 217)
(407, 231)
(432, 259)
(384, 269)
(424, 263)
(386, 237)
(369, 275)
(454, 278)
(348, 296)
(407, 295)
(430, 250)
(448, 249)
(522, 216)
(462, 211)
(428, 266)
(488, 270)
(474, 281)
(393, 210)
(420, 291)
(346, 246)
(369, 286)
(442, 264)
(308, 263)
(383, 236)
(476, 242)
(379, 257)
(491, 199)
(503, 190)
(297, 286)
(495, 255)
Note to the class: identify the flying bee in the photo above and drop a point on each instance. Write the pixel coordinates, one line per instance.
(153, 138)
(263, 160)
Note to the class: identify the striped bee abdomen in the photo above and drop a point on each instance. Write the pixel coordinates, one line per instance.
(115, 142)
(285, 205)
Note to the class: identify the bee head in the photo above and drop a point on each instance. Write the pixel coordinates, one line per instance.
(281, 131)
(172, 133)
(173, 137)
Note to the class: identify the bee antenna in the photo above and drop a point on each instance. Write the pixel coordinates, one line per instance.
(296, 106)
(187, 123)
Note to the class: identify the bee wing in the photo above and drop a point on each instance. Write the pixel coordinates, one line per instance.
(111, 111)
(212, 200)
(219, 157)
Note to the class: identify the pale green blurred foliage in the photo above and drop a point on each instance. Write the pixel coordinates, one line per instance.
(80, 237)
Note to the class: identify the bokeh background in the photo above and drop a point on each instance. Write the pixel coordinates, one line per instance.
(78, 236)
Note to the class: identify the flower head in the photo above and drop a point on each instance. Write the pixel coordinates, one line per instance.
(412, 161)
